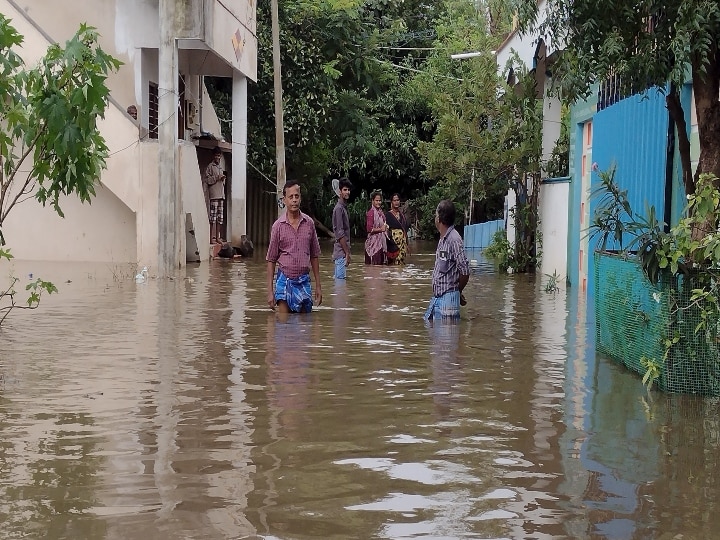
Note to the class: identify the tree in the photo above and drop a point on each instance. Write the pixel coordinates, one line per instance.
(643, 44)
(50, 144)
(484, 131)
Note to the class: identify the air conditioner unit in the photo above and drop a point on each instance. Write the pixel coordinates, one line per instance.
(191, 115)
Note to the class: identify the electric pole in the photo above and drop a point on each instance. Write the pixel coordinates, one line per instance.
(279, 128)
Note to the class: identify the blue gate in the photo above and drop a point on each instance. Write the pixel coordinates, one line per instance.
(632, 135)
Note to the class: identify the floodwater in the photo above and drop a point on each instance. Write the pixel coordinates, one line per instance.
(186, 409)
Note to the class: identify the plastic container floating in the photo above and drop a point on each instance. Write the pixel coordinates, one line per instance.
(142, 276)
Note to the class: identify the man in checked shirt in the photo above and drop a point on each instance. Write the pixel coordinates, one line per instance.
(294, 248)
(451, 272)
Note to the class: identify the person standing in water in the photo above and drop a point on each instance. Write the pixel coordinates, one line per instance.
(376, 242)
(397, 230)
(341, 229)
(295, 249)
(451, 272)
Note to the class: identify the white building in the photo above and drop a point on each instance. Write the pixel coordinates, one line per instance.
(150, 207)
(534, 52)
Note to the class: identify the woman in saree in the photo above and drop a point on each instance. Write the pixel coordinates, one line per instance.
(376, 243)
(397, 225)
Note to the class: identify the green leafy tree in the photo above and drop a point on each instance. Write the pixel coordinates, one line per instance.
(486, 134)
(50, 144)
(643, 44)
(346, 67)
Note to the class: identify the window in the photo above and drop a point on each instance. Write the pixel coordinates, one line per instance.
(153, 111)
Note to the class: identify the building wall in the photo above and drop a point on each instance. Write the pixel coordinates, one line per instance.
(554, 196)
(581, 113)
(129, 31)
(103, 230)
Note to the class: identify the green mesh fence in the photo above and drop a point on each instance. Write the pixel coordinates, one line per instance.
(634, 320)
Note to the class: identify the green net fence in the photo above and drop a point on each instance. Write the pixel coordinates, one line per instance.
(655, 327)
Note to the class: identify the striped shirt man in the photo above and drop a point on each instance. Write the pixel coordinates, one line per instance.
(450, 263)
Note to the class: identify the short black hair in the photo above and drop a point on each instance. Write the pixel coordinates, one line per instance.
(345, 183)
(375, 193)
(289, 184)
(446, 212)
(217, 151)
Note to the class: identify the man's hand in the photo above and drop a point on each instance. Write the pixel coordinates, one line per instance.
(318, 296)
(463, 302)
(347, 259)
(271, 300)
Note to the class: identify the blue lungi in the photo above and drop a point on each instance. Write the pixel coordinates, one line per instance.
(296, 292)
(446, 306)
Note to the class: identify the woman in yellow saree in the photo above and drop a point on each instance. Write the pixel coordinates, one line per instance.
(397, 231)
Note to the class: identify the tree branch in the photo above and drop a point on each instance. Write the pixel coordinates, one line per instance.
(678, 115)
(9, 182)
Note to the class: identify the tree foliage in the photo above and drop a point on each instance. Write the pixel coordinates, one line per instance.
(357, 101)
(641, 44)
(486, 133)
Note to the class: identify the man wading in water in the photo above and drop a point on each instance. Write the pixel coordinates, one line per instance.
(451, 272)
(295, 248)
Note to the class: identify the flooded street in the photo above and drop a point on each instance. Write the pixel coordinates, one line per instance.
(186, 409)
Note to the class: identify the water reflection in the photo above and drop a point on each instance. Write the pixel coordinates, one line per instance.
(186, 409)
(447, 372)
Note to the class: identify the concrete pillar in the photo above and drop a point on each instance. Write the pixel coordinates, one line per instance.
(238, 194)
(552, 116)
(171, 218)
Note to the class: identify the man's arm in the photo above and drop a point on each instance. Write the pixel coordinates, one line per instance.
(337, 221)
(463, 282)
(272, 256)
(271, 284)
(346, 248)
(315, 264)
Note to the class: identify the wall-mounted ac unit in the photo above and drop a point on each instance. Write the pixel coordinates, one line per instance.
(191, 115)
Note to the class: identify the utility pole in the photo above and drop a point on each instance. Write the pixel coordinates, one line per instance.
(472, 195)
(279, 128)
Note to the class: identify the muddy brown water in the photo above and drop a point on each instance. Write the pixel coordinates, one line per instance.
(185, 409)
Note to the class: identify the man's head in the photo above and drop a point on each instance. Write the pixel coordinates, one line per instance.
(217, 154)
(345, 186)
(291, 195)
(445, 213)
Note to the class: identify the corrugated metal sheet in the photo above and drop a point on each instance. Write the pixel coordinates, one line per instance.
(633, 135)
(479, 235)
(262, 210)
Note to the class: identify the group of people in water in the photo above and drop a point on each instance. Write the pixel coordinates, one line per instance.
(387, 240)
(294, 251)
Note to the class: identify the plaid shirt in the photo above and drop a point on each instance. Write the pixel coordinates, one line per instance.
(291, 249)
(450, 263)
